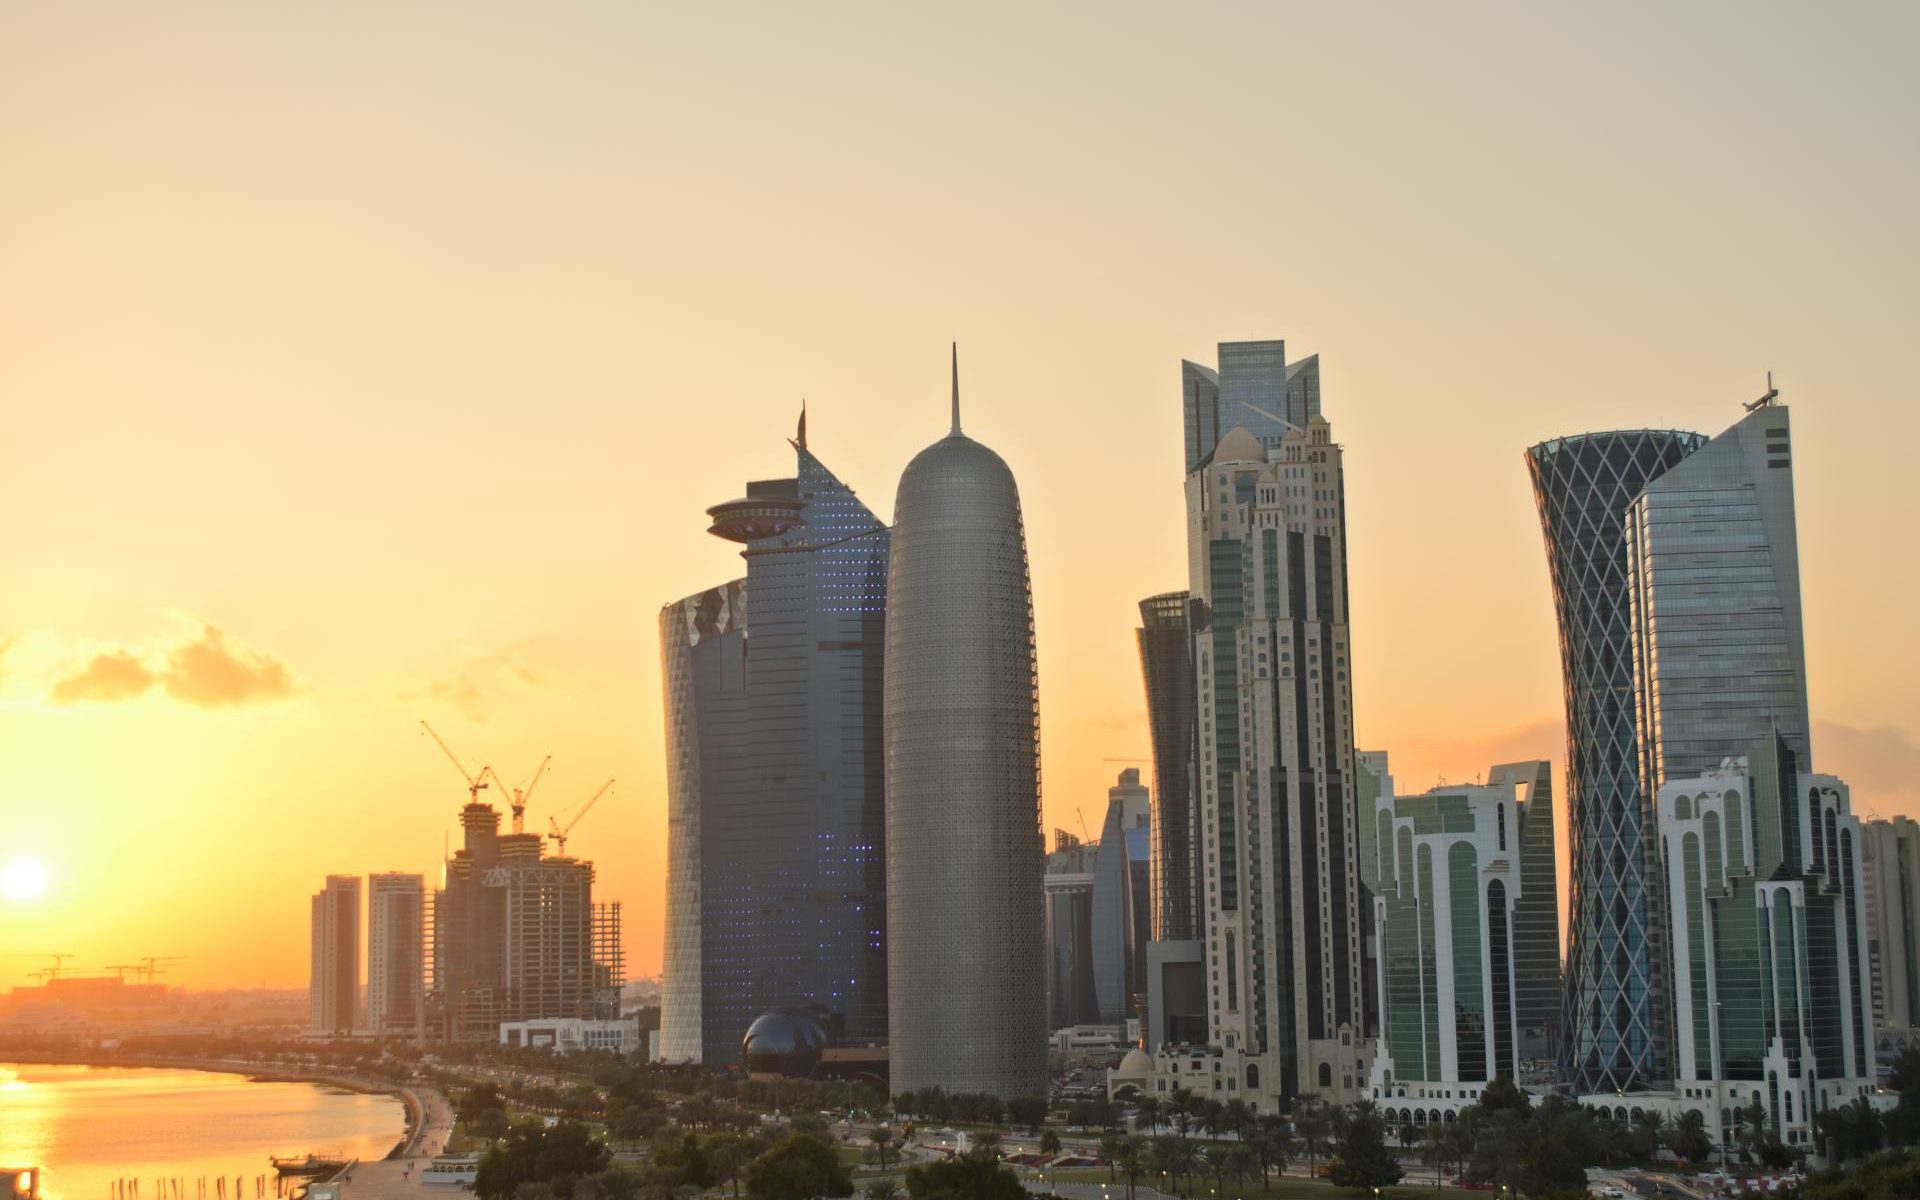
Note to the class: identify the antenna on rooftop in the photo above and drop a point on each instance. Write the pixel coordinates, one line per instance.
(1766, 401)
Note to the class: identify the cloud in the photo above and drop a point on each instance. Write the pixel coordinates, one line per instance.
(459, 692)
(216, 671)
(211, 671)
(110, 676)
(1881, 765)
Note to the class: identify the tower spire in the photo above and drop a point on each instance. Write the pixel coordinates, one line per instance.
(956, 390)
(801, 441)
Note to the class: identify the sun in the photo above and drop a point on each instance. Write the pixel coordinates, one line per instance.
(23, 879)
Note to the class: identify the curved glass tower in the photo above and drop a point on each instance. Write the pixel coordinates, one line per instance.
(1611, 1022)
(1166, 663)
(964, 851)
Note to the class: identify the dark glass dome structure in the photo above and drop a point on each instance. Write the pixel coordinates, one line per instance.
(785, 1041)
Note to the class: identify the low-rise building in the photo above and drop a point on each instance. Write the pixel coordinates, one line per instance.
(564, 1035)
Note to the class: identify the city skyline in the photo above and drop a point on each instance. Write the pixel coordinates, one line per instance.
(288, 484)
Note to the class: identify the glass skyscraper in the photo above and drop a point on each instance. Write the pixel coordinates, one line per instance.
(1536, 911)
(776, 884)
(964, 851)
(1714, 566)
(1611, 1017)
(1166, 664)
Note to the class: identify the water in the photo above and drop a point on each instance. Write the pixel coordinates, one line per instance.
(88, 1126)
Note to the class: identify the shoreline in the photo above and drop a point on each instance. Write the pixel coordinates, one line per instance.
(410, 1106)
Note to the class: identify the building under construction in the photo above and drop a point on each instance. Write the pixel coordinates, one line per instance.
(517, 936)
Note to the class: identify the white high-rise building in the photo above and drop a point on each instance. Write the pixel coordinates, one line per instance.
(396, 952)
(1289, 1004)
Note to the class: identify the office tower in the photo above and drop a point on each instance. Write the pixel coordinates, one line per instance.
(776, 883)
(1770, 970)
(1890, 867)
(1120, 897)
(1068, 887)
(1266, 538)
(1536, 910)
(1714, 569)
(1166, 664)
(1611, 1024)
(396, 952)
(517, 935)
(1440, 867)
(963, 780)
(333, 987)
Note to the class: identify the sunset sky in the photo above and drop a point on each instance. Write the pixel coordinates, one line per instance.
(365, 362)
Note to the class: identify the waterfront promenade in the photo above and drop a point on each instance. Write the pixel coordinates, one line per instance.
(399, 1176)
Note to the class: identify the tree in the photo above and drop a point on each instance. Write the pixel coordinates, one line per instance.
(1272, 1143)
(1554, 1168)
(1313, 1125)
(1903, 1123)
(1648, 1127)
(798, 1167)
(1131, 1157)
(1147, 1109)
(881, 1137)
(1687, 1136)
(1110, 1150)
(1050, 1142)
(975, 1175)
(1502, 1093)
(883, 1188)
(687, 1155)
(531, 1154)
(1364, 1160)
(1891, 1176)
(1752, 1131)
(1851, 1130)
(1172, 1156)
(727, 1155)
(1030, 1111)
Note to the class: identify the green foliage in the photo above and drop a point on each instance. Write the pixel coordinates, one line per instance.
(687, 1155)
(977, 1108)
(1851, 1131)
(798, 1167)
(975, 1175)
(1687, 1136)
(559, 1156)
(1502, 1093)
(1362, 1159)
(1891, 1176)
(1030, 1111)
(1050, 1142)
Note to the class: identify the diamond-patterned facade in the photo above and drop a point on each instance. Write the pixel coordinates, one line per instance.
(1611, 1036)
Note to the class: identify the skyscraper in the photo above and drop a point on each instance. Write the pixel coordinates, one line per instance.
(1714, 569)
(1769, 950)
(1890, 869)
(962, 780)
(396, 952)
(1071, 999)
(333, 986)
(1166, 664)
(1536, 910)
(776, 884)
(1120, 893)
(1267, 561)
(1611, 1018)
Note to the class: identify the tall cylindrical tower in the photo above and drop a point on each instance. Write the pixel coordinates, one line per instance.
(964, 850)
(1612, 1009)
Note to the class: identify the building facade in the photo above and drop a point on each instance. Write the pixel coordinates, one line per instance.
(1890, 869)
(1121, 894)
(396, 953)
(776, 885)
(1068, 887)
(1166, 664)
(1714, 573)
(333, 987)
(1282, 901)
(1770, 968)
(1536, 911)
(963, 838)
(1612, 1025)
(1446, 870)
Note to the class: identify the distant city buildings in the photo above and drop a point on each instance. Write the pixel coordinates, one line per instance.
(1068, 892)
(1890, 870)
(396, 953)
(963, 843)
(333, 988)
(1612, 1016)
(1121, 896)
(1166, 665)
(776, 877)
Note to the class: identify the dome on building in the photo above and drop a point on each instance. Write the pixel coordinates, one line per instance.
(785, 1041)
(1239, 446)
(1136, 1065)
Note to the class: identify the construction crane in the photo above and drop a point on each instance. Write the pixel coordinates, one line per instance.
(520, 796)
(54, 972)
(475, 783)
(553, 823)
(123, 968)
(149, 966)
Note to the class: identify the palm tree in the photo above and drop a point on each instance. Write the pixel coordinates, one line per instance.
(1240, 1162)
(1648, 1125)
(1050, 1142)
(1147, 1109)
(1238, 1117)
(1751, 1129)
(1110, 1145)
(1688, 1136)
(1174, 1156)
(1181, 1104)
(1272, 1143)
(1313, 1125)
(883, 1188)
(882, 1137)
(1131, 1157)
